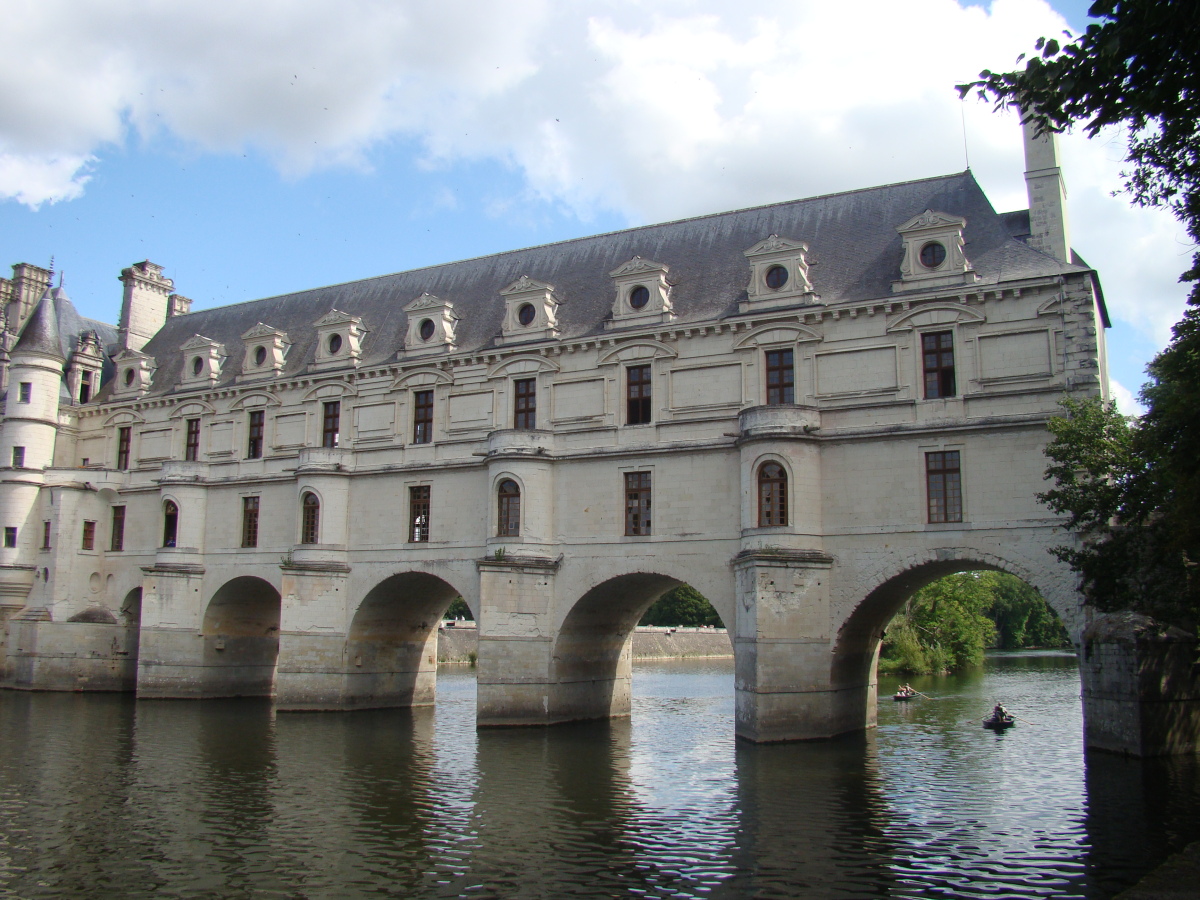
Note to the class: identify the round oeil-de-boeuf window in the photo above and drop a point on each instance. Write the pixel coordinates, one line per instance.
(426, 329)
(776, 277)
(335, 344)
(933, 255)
(526, 314)
(639, 296)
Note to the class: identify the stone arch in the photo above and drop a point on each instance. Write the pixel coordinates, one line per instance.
(391, 644)
(891, 583)
(241, 639)
(592, 656)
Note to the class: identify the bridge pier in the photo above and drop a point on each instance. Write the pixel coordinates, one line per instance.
(782, 647)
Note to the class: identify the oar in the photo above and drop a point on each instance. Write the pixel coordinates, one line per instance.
(926, 696)
(1026, 721)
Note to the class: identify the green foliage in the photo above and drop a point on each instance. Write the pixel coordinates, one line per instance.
(683, 606)
(1130, 493)
(458, 609)
(1131, 490)
(942, 628)
(1023, 619)
(1139, 68)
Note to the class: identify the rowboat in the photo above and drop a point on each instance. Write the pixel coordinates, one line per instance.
(904, 695)
(999, 723)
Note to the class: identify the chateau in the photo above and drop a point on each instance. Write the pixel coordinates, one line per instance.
(805, 410)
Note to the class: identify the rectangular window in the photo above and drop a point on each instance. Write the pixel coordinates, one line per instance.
(422, 417)
(637, 503)
(331, 423)
(254, 443)
(937, 363)
(781, 378)
(250, 522)
(124, 439)
(89, 535)
(418, 513)
(943, 486)
(191, 446)
(118, 530)
(525, 404)
(85, 387)
(25, 393)
(10, 536)
(637, 395)
(18, 457)
(45, 535)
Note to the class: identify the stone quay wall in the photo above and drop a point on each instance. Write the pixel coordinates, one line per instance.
(457, 642)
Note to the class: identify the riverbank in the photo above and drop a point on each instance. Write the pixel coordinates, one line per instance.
(1176, 879)
(458, 642)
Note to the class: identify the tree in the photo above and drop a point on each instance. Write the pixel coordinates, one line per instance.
(1022, 617)
(942, 627)
(683, 606)
(458, 609)
(1131, 491)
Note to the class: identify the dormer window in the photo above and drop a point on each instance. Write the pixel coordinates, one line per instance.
(530, 311)
(431, 325)
(203, 361)
(135, 369)
(266, 348)
(643, 294)
(933, 252)
(339, 340)
(778, 275)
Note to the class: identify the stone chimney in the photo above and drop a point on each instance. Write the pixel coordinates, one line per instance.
(179, 305)
(145, 305)
(22, 294)
(1049, 230)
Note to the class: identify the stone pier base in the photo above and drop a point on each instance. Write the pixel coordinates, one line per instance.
(1141, 687)
(71, 656)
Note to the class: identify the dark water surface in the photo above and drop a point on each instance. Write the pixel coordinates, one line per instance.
(101, 796)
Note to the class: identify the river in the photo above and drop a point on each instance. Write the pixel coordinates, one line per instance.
(102, 796)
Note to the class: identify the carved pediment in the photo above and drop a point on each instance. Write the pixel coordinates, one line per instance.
(428, 301)
(334, 317)
(637, 266)
(262, 331)
(525, 284)
(776, 244)
(199, 342)
(931, 219)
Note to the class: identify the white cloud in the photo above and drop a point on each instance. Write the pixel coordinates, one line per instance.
(655, 110)
(1127, 401)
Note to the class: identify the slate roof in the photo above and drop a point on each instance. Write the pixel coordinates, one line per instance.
(54, 327)
(854, 254)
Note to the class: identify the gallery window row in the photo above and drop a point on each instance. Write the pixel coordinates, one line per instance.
(938, 371)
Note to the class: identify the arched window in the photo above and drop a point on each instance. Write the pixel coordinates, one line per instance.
(310, 519)
(509, 524)
(772, 495)
(170, 523)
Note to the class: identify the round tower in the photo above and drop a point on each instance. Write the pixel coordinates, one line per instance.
(27, 435)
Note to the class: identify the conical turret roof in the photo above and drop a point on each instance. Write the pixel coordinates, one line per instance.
(41, 334)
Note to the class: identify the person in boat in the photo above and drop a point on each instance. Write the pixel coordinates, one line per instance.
(1000, 714)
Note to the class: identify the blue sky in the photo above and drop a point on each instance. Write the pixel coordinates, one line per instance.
(257, 150)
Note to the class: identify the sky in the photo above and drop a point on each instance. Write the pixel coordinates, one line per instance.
(258, 149)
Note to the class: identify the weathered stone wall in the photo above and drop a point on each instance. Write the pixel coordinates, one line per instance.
(1141, 687)
(457, 642)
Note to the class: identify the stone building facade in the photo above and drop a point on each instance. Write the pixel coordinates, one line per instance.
(805, 410)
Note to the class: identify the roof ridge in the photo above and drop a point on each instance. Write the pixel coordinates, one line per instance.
(588, 237)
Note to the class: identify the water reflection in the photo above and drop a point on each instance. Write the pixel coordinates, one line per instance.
(101, 796)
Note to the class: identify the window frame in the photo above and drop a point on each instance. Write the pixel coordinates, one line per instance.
(525, 404)
(10, 537)
(25, 392)
(422, 417)
(18, 457)
(116, 538)
(170, 524)
(45, 534)
(938, 378)
(638, 506)
(85, 386)
(772, 495)
(508, 509)
(420, 507)
(943, 487)
(783, 393)
(331, 423)
(88, 541)
(124, 446)
(310, 518)
(191, 440)
(256, 428)
(250, 508)
(639, 394)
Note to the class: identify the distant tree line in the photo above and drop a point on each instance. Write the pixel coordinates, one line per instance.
(946, 626)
